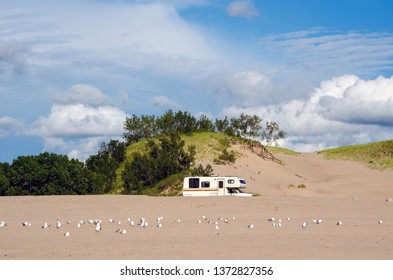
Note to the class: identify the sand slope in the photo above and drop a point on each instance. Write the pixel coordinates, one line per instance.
(335, 190)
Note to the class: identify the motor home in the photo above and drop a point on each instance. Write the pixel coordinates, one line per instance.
(214, 186)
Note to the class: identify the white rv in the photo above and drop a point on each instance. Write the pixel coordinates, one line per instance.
(214, 186)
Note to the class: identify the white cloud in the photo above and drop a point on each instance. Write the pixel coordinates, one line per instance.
(116, 29)
(344, 110)
(362, 101)
(242, 8)
(246, 88)
(9, 126)
(78, 120)
(83, 94)
(322, 53)
(77, 129)
(163, 101)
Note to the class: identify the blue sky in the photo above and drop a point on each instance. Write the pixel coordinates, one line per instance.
(72, 71)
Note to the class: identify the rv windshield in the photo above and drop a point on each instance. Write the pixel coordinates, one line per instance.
(234, 190)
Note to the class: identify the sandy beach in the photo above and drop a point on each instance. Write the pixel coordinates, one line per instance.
(334, 191)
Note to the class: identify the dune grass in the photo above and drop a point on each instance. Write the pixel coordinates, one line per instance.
(208, 145)
(378, 155)
(277, 150)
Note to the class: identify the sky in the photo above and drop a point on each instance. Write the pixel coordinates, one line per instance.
(72, 71)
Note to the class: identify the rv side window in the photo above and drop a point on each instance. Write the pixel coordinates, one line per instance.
(193, 183)
(205, 184)
(231, 181)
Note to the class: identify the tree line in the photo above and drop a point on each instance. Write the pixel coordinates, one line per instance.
(164, 154)
(246, 126)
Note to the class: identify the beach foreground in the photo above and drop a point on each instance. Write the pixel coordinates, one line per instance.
(334, 191)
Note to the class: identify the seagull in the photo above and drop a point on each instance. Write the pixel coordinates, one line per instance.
(123, 231)
(78, 225)
(67, 234)
(142, 221)
(339, 223)
(304, 225)
(98, 227)
(226, 220)
(45, 225)
(319, 221)
(2, 224)
(380, 222)
(251, 226)
(178, 221)
(68, 222)
(288, 219)
(199, 221)
(58, 224)
(132, 223)
(145, 224)
(26, 224)
(216, 226)
(159, 225)
(271, 219)
(110, 220)
(204, 217)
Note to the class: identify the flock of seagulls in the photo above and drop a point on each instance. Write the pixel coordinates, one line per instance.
(143, 223)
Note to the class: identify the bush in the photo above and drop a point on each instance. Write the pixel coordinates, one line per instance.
(225, 157)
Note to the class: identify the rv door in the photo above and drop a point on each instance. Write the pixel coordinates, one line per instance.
(221, 189)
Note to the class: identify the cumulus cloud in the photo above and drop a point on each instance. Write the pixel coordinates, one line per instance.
(9, 126)
(78, 129)
(78, 120)
(344, 110)
(165, 102)
(83, 94)
(242, 8)
(358, 101)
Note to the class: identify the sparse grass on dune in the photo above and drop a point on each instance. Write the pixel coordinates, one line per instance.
(377, 155)
(208, 145)
(277, 150)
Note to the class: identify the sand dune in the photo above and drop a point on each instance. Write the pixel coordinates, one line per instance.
(334, 190)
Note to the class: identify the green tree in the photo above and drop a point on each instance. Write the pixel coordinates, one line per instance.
(222, 125)
(273, 133)
(4, 181)
(161, 159)
(205, 124)
(49, 174)
(139, 128)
